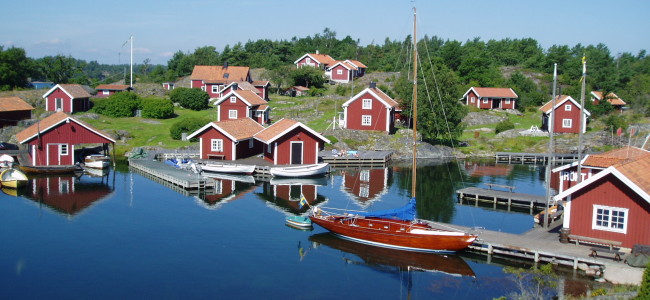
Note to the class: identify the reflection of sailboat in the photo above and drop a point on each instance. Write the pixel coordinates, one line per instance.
(401, 260)
(396, 228)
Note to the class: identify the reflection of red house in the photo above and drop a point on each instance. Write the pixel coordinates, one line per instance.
(226, 190)
(52, 140)
(490, 98)
(240, 104)
(105, 90)
(365, 185)
(66, 194)
(566, 117)
(565, 177)
(475, 169)
(370, 109)
(228, 140)
(67, 98)
(613, 204)
(12, 110)
(291, 142)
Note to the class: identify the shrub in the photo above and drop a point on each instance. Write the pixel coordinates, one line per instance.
(190, 98)
(503, 126)
(644, 290)
(615, 121)
(157, 108)
(118, 105)
(188, 125)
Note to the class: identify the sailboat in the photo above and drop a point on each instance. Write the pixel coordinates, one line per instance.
(397, 228)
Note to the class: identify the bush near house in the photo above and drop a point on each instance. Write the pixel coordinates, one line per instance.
(118, 105)
(157, 108)
(190, 98)
(188, 126)
(503, 126)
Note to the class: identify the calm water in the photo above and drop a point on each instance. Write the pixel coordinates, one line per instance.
(124, 236)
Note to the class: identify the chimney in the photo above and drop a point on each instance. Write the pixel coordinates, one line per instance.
(225, 65)
(235, 86)
(373, 85)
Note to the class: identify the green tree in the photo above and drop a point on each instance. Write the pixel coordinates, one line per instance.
(59, 68)
(190, 98)
(118, 105)
(308, 77)
(15, 68)
(187, 125)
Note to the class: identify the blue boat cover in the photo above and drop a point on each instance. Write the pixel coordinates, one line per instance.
(405, 213)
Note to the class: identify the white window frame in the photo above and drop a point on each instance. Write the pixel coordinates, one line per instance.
(473, 99)
(216, 145)
(364, 176)
(308, 60)
(233, 99)
(339, 72)
(607, 221)
(485, 100)
(215, 89)
(366, 120)
(567, 107)
(58, 104)
(106, 92)
(232, 114)
(63, 149)
(507, 101)
(567, 123)
(366, 103)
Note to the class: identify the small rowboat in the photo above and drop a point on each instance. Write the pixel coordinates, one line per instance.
(229, 168)
(97, 161)
(13, 178)
(299, 222)
(301, 170)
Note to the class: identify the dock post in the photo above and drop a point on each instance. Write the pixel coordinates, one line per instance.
(495, 202)
(490, 249)
(460, 198)
(509, 203)
(575, 263)
(476, 200)
(531, 207)
(536, 256)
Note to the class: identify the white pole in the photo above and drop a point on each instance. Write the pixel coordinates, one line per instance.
(131, 85)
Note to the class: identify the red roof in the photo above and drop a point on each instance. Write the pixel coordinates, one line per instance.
(281, 127)
(611, 98)
(389, 102)
(241, 128)
(113, 87)
(219, 74)
(74, 90)
(495, 92)
(617, 156)
(49, 123)
(14, 104)
(357, 63)
(546, 108)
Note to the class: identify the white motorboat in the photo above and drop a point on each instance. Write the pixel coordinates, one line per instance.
(97, 161)
(300, 170)
(228, 168)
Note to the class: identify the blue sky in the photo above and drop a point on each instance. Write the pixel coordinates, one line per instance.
(92, 30)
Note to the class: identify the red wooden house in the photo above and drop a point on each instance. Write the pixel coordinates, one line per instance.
(364, 186)
(52, 140)
(566, 116)
(213, 79)
(612, 205)
(315, 60)
(291, 142)
(12, 110)
(262, 87)
(239, 104)
(566, 176)
(67, 98)
(491, 98)
(361, 68)
(345, 71)
(228, 140)
(613, 99)
(370, 109)
(105, 90)
(240, 85)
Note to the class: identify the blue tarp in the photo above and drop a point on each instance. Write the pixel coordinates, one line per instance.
(406, 212)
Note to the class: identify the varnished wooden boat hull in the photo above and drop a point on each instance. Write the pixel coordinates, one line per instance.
(393, 234)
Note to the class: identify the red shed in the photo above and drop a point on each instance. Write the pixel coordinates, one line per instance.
(567, 115)
(611, 205)
(342, 72)
(12, 110)
(105, 90)
(490, 98)
(52, 140)
(239, 104)
(370, 109)
(67, 98)
(291, 142)
(228, 140)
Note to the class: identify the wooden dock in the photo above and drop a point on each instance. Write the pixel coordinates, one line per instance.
(533, 158)
(509, 199)
(357, 158)
(171, 176)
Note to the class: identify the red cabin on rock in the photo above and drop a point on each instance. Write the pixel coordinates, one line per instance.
(491, 98)
(566, 116)
(67, 98)
(291, 142)
(228, 140)
(370, 109)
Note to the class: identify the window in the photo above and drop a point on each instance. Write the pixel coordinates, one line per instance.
(366, 120)
(566, 123)
(339, 72)
(473, 99)
(567, 107)
(364, 176)
(215, 89)
(507, 101)
(269, 149)
(308, 60)
(485, 100)
(367, 104)
(610, 218)
(250, 143)
(217, 145)
(232, 114)
(233, 99)
(364, 190)
(63, 149)
(58, 104)
(106, 92)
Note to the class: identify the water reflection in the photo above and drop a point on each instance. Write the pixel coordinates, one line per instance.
(226, 190)
(284, 194)
(365, 185)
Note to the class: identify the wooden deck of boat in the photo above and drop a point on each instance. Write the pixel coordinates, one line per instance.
(509, 199)
(360, 158)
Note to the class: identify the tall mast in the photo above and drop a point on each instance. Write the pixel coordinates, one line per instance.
(551, 147)
(582, 117)
(415, 103)
(131, 77)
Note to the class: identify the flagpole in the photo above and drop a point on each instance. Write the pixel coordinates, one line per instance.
(131, 77)
(583, 120)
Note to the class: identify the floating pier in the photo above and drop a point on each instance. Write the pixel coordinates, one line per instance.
(510, 199)
(533, 158)
(357, 158)
(171, 176)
